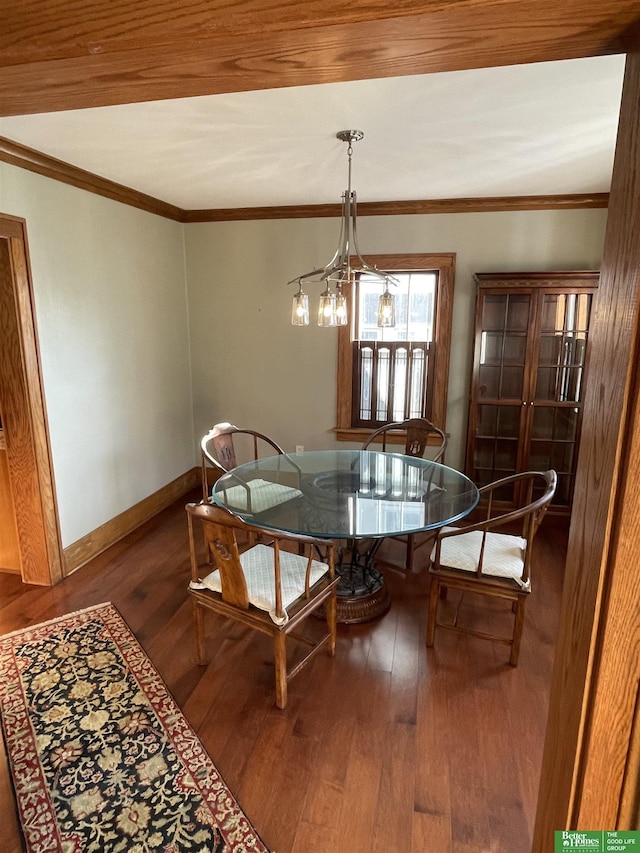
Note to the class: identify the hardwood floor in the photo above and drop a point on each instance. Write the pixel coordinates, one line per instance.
(384, 748)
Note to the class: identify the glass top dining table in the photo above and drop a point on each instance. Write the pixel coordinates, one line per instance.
(357, 497)
(346, 494)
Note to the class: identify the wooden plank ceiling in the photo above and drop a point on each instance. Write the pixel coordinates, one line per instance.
(68, 54)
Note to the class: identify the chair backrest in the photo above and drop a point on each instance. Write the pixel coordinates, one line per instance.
(218, 449)
(418, 432)
(530, 512)
(220, 527)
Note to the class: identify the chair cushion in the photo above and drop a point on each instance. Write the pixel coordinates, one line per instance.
(263, 495)
(503, 554)
(258, 568)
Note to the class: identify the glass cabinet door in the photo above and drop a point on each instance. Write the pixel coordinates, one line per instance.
(503, 346)
(563, 345)
(554, 444)
(496, 444)
(501, 352)
(555, 421)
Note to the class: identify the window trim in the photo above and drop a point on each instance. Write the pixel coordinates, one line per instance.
(444, 264)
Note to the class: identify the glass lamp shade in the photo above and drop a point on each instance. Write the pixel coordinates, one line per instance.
(386, 310)
(300, 309)
(341, 309)
(327, 309)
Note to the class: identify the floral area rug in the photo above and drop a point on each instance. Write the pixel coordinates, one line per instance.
(101, 756)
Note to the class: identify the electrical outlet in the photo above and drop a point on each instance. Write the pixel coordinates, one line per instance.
(299, 448)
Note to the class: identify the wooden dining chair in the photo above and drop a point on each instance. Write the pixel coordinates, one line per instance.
(218, 450)
(265, 587)
(420, 434)
(487, 558)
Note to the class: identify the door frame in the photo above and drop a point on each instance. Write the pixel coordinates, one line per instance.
(589, 777)
(24, 416)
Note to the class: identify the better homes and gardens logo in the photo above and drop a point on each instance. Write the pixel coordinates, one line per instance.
(579, 840)
(598, 841)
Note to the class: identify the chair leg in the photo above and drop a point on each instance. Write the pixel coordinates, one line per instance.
(433, 611)
(331, 608)
(280, 655)
(198, 619)
(517, 630)
(409, 558)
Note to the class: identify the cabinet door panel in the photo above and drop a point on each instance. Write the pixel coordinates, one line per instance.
(564, 490)
(551, 454)
(489, 381)
(506, 311)
(508, 423)
(511, 383)
(560, 378)
(504, 348)
(559, 424)
(498, 456)
(563, 345)
(498, 421)
(554, 435)
(497, 442)
(504, 327)
(506, 456)
(562, 312)
(563, 385)
(518, 311)
(500, 382)
(554, 429)
(560, 350)
(491, 348)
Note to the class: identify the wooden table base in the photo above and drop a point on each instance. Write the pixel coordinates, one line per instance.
(363, 608)
(362, 594)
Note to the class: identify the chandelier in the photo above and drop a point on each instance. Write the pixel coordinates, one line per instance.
(332, 308)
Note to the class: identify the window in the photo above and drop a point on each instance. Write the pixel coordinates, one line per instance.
(390, 374)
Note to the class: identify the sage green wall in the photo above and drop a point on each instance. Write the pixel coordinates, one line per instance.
(151, 331)
(251, 367)
(109, 287)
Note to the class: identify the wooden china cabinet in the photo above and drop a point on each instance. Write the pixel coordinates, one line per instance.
(529, 376)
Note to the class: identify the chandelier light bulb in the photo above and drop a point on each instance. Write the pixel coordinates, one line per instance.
(386, 310)
(300, 309)
(341, 309)
(327, 309)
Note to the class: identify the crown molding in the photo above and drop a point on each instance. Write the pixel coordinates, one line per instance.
(58, 170)
(406, 208)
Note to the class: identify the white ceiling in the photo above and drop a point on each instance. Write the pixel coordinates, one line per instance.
(540, 129)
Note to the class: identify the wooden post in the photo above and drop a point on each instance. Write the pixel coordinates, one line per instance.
(596, 671)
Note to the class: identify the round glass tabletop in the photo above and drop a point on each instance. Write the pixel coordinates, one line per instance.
(346, 494)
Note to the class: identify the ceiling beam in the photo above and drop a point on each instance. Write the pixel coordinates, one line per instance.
(69, 54)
